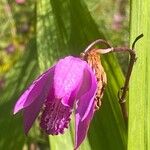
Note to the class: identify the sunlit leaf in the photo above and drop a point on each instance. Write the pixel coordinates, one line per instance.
(139, 95)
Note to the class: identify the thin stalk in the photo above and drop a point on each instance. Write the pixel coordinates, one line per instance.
(123, 92)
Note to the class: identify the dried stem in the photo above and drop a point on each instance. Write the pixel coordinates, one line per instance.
(99, 41)
(123, 92)
(124, 89)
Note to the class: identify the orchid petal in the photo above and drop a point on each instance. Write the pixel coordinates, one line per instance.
(82, 127)
(68, 75)
(85, 108)
(38, 88)
(31, 112)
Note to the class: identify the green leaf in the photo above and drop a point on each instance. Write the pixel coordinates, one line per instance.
(139, 96)
(66, 27)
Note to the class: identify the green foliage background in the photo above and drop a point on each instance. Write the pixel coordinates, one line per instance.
(66, 27)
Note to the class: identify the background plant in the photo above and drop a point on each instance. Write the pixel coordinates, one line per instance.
(35, 34)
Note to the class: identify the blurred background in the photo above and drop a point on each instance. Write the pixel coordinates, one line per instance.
(17, 27)
(21, 36)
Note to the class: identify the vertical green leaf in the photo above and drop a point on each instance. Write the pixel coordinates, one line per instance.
(66, 27)
(139, 96)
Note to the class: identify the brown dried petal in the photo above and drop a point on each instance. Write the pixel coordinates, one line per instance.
(93, 59)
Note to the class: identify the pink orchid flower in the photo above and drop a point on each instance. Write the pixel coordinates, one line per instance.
(70, 82)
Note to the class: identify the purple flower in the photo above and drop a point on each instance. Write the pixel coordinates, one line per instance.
(71, 82)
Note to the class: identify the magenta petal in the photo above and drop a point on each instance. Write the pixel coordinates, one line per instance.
(82, 127)
(86, 92)
(85, 105)
(68, 75)
(31, 112)
(38, 88)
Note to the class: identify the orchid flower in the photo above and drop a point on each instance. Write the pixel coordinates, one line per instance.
(69, 83)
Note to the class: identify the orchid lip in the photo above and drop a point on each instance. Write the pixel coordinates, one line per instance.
(55, 117)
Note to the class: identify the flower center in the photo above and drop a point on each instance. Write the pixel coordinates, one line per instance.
(55, 117)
